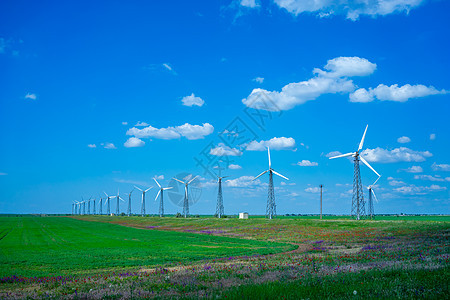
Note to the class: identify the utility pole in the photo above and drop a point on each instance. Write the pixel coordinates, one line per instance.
(321, 186)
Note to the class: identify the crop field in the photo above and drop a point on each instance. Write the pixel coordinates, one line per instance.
(141, 257)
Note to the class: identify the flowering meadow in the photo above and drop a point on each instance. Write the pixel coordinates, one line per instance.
(227, 258)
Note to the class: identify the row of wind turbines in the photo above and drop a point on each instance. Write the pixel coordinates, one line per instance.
(357, 211)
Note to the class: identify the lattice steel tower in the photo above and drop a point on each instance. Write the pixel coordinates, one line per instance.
(271, 209)
(219, 206)
(358, 204)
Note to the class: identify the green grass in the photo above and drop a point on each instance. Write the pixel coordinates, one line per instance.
(35, 246)
(374, 284)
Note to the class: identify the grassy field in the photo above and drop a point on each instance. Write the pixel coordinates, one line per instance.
(140, 257)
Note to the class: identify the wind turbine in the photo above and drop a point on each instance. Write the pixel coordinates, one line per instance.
(129, 203)
(143, 199)
(100, 210)
(73, 205)
(161, 200)
(370, 204)
(93, 208)
(84, 205)
(89, 206)
(117, 205)
(358, 199)
(108, 201)
(186, 195)
(271, 210)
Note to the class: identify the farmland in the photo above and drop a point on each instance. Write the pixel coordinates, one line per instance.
(98, 256)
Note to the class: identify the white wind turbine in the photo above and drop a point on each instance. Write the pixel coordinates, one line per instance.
(117, 204)
(186, 195)
(143, 199)
(108, 202)
(358, 199)
(161, 200)
(372, 193)
(271, 207)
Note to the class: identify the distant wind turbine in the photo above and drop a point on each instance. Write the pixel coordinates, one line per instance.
(186, 195)
(143, 199)
(161, 199)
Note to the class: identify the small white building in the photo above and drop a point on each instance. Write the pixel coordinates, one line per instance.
(243, 215)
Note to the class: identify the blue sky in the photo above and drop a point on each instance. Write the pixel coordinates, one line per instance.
(99, 97)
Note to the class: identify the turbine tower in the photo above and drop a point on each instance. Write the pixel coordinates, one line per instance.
(370, 204)
(89, 206)
(358, 205)
(219, 205)
(143, 199)
(186, 195)
(72, 207)
(161, 200)
(100, 210)
(108, 201)
(93, 207)
(117, 204)
(129, 203)
(84, 206)
(271, 209)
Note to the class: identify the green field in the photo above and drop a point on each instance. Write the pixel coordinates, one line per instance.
(288, 257)
(34, 246)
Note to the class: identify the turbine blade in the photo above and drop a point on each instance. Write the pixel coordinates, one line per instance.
(121, 199)
(157, 182)
(280, 175)
(157, 195)
(106, 194)
(268, 154)
(343, 155)
(178, 180)
(168, 188)
(376, 181)
(138, 188)
(362, 140)
(225, 177)
(260, 175)
(192, 179)
(367, 164)
(148, 189)
(376, 199)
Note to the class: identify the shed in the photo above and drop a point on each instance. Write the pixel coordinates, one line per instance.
(243, 215)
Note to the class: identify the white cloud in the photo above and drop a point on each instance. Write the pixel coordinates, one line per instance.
(440, 167)
(312, 190)
(293, 194)
(92, 146)
(258, 79)
(109, 146)
(432, 136)
(414, 169)
(243, 181)
(332, 80)
(419, 190)
(394, 93)
(192, 100)
(31, 96)
(124, 123)
(396, 182)
(134, 142)
(141, 124)
(401, 154)
(429, 177)
(281, 143)
(250, 3)
(191, 132)
(307, 163)
(224, 150)
(403, 140)
(333, 153)
(234, 167)
(352, 9)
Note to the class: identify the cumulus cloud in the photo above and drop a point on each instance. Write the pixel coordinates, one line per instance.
(234, 167)
(419, 190)
(396, 182)
(440, 167)
(276, 143)
(394, 93)
(191, 132)
(243, 181)
(429, 177)
(312, 190)
(31, 96)
(224, 150)
(134, 142)
(403, 140)
(333, 79)
(401, 154)
(124, 123)
(140, 124)
(109, 146)
(250, 3)
(432, 136)
(307, 163)
(414, 169)
(352, 9)
(258, 79)
(192, 100)
(92, 146)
